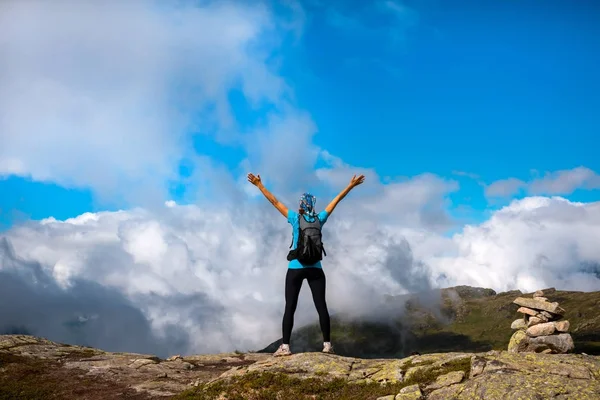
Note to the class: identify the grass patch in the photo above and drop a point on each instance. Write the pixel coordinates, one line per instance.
(30, 378)
(8, 358)
(20, 379)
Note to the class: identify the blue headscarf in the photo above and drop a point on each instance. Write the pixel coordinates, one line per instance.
(307, 203)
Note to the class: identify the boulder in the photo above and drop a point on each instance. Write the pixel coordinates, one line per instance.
(549, 316)
(561, 343)
(539, 305)
(562, 326)
(533, 321)
(528, 311)
(412, 392)
(543, 329)
(518, 324)
(515, 341)
(541, 317)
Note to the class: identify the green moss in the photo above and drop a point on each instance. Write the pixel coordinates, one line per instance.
(425, 376)
(281, 386)
(79, 354)
(411, 364)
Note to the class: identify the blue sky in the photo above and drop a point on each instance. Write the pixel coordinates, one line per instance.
(472, 91)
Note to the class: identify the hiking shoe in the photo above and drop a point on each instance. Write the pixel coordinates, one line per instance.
(283, 350)
(328, 348)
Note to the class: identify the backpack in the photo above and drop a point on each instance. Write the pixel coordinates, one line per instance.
(310, 248)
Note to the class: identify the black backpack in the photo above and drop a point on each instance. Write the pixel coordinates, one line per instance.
(310, 248)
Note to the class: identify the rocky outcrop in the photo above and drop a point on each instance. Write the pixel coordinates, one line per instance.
(541, 329)
(45, 367)
(38, 368)
(490, 375)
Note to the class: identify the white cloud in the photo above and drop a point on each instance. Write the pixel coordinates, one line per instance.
(283, 152)
(417, 202)
(504, 187)
(101, 94)
(337, 173)
(563, 182)
(532, 243)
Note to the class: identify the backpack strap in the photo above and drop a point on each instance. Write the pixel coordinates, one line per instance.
(299, 218)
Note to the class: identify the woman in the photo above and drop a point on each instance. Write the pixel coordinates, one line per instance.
(298, 271)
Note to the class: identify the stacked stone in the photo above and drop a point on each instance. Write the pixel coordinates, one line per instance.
(541, 330)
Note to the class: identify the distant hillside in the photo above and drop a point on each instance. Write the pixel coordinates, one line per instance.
(460, 318)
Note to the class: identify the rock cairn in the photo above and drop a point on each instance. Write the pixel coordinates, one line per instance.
(542, 329)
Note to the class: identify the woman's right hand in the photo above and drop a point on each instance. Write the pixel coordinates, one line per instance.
(355, 181)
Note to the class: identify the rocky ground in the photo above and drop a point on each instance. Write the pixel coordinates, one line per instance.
(35, 368)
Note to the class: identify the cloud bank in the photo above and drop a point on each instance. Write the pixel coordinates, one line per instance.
(190, 279)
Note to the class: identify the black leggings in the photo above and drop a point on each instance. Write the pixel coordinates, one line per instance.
(293, 283)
